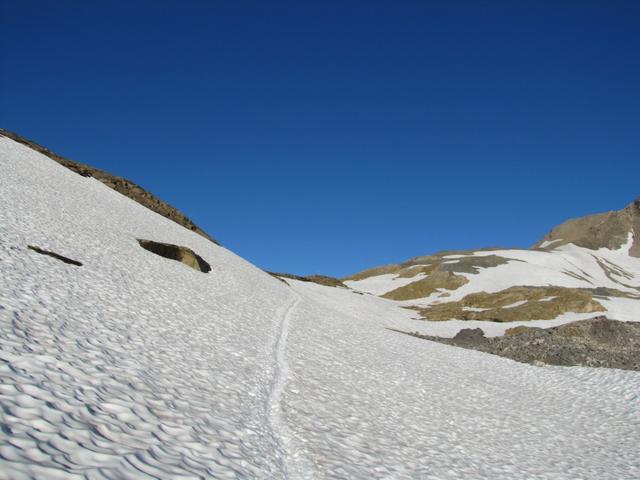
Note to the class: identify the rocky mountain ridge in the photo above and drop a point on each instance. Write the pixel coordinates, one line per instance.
(602, 230)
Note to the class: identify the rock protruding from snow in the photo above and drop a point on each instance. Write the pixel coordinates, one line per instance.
(597, 342)
(178, 253)
(55, 255)
(520, 304)
(428, 285)
(603, 230)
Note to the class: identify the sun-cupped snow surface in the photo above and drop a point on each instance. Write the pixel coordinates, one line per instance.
(132, 365)
(136, 366)
(370, 403)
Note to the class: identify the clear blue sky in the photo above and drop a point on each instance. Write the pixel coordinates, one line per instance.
(333, 136)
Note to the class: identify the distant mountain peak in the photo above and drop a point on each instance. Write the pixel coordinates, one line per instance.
(602, 230)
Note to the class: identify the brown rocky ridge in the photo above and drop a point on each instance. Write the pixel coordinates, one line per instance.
(602, 230)
(521, 303)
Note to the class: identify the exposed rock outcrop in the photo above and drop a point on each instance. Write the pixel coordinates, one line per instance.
(119, 184)
(597, 342)
(176, 252)
(610, 230)
(426, 286)
(516, 304)
(603, 230)
(55, 255)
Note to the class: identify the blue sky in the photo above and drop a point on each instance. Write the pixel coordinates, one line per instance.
(328, 137)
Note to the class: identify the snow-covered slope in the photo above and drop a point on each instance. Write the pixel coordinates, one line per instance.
(130, 363)
(566, 266)
(609, 276)
(136, 366)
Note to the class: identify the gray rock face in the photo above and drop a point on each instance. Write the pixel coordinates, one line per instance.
(597, 342)
(470, 336)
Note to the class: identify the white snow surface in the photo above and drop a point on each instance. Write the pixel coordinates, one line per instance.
(381, 284)
(547, 243)
(135, 366)
(515, 304)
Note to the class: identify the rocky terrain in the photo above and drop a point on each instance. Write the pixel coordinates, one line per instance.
(596, 342)
(604, 230)
(517, 303)
(178, 253)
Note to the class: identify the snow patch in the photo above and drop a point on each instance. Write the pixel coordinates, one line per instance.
(548, 243)
(475, 309)
(516, 304)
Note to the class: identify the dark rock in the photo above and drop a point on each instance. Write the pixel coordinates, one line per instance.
(176, 252)
(469, 335)
(597, 342)
(55, 255)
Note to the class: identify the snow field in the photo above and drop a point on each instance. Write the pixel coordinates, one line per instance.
(369, 400)
(131, 366)
(135, 366)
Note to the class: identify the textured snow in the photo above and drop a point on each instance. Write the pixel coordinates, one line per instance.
(136, 366)
(416, 409)
(132, 364)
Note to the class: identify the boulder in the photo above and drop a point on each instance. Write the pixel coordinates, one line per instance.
(176, 252)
